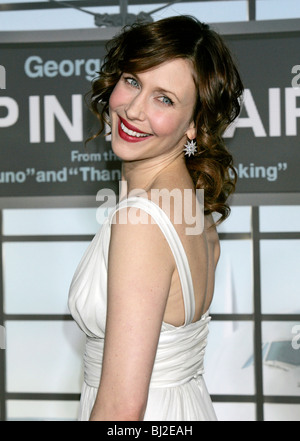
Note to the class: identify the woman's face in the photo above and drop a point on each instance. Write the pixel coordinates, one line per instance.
(151, 112)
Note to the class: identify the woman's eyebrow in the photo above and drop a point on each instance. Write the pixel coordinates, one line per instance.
(163, 90)
(158, 89)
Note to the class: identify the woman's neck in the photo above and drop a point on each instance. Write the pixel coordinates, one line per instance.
(146, 174)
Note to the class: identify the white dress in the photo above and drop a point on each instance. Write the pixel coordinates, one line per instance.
(177, 388)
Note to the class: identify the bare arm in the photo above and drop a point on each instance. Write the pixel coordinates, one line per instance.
(140, 269)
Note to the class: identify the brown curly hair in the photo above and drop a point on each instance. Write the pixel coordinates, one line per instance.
(143, 46)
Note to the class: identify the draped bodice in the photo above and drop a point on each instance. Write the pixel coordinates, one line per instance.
(180, 350)
(179, 357)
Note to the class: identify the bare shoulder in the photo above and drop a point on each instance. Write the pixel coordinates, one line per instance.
(136, 236)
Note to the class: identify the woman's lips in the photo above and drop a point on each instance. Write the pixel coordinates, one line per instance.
(130, 133)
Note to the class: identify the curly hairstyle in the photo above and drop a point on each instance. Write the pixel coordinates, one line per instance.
(143, 46)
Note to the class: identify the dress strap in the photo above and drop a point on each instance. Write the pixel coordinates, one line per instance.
(173, 239)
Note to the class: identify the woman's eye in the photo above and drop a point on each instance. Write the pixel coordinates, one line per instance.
(132, 82)
(165, 100)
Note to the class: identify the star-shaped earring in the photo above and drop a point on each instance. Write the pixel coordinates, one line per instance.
(190, 148)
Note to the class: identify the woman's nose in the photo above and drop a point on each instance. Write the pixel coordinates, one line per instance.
(135, 109)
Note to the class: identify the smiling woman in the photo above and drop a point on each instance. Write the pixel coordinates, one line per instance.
(142, 291)
(161, 124)
(216, 97)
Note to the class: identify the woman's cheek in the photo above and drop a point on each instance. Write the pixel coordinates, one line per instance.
(164, 125)
(118, 97)
(113, 100)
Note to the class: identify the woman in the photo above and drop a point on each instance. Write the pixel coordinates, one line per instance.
(143, 289)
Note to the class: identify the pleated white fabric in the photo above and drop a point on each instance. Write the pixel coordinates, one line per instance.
(177, 388)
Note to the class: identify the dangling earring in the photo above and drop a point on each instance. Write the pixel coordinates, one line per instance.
(190, 148)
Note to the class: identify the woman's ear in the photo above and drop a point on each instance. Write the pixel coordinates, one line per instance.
(191, 132)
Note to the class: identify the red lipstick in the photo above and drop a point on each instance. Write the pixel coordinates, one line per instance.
(126, 136)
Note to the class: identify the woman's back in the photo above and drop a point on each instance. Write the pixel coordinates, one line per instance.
(200, 242)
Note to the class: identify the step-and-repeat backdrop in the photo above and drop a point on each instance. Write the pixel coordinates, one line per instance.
(44, 119)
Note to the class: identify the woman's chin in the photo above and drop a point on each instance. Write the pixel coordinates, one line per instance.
(128, 151)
